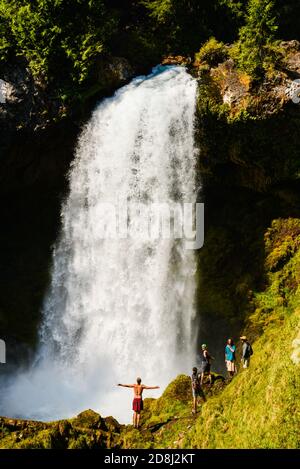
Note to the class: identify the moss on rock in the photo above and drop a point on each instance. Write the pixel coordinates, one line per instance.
(253, 131)
(89, 419)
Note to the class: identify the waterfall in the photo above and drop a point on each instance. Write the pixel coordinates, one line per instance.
(118, 308)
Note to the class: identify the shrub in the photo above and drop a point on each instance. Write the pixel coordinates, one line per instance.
(59, 39)
(212, 52)
(184, 24)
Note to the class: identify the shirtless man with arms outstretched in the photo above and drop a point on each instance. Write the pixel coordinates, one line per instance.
(137, 405)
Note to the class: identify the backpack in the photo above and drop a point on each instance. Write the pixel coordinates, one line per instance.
(195, 382)
(250, 350)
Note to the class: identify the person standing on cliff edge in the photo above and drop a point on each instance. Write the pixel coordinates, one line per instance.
(196, 389)
(137, 404)
(230, 350)
(246, 351)
(206, 359)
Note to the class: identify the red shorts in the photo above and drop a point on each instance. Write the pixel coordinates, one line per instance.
(137, 405)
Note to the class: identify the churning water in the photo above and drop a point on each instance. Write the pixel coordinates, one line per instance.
(118, 308)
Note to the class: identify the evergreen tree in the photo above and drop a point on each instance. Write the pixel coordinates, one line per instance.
(183, 25)
(257, 45)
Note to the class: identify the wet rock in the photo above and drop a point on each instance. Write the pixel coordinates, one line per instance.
(120, 70)
(176, 60)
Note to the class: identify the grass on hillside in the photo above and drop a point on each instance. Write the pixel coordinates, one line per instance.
(261, 406)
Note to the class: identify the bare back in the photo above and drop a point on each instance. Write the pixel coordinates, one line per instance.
(138, 391)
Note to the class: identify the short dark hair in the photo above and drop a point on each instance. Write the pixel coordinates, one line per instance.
(195, 370)
(138, 380)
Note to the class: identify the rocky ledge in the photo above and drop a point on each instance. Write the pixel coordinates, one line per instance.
(168, 415)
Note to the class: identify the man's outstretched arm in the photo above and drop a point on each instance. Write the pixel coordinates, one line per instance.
(150, 387)
(126, 385)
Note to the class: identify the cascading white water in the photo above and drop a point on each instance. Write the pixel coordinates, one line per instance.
(118, 308)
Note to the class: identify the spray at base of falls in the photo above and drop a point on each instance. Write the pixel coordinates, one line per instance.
(118, 308)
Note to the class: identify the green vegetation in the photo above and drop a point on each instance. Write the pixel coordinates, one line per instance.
(231, 111)
(243, 159)
(87, 431)
(249, 141)
(260, 408)
(282, 243)
(162, 421)
(56, 36)
(183, 25)
(212, 53)
(63, 40)
(256, 50)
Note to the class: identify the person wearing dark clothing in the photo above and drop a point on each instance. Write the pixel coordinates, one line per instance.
(206, 359)
(196, 389)
(246, 351)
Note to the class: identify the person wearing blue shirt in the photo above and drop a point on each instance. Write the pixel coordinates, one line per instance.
(230, 350)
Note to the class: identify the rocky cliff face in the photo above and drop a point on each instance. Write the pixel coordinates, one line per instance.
(35, 122)
(248, 136)
(87, 430)
(249, 132)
